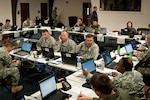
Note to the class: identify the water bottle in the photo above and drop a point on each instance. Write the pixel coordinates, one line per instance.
(78, 63)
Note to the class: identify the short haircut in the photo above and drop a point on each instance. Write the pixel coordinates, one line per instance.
(95, 7)
(9, 44)
(80, 19)
(89, 36)
(45, 30)
(7, 20)
(127, 63)
(101, 82)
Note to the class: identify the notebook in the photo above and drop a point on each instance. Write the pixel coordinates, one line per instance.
(25, 49)
(69, 58)
(89, 65)
(49, 90)
(129, 48)
(49, 53)
(108, 61)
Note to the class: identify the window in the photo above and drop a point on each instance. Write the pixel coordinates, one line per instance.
(120, 5)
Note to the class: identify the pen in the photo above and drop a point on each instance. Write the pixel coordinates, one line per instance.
(80, 92)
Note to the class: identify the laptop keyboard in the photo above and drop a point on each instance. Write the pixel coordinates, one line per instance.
(58, 95)
(22, 53)
(112, 65)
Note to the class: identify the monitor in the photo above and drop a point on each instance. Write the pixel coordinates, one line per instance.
(129, 48)
(26, 46)
(89, 65)
(47, 86)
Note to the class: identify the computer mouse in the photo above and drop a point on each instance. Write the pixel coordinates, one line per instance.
(47, 59)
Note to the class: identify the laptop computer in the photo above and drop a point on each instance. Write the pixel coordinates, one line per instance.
(108, 61)
(124, 31)
(131, 41)
(89, 65)
(69, 58)
(129, 48)
(13, 28)
(49, 90)
(49, 53)
(25, 49)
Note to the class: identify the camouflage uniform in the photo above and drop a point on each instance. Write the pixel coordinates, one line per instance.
(7, 68)
(95, 28)
(119, 95)
(50, 43)
(6, 27)
(27, 24)
(68, 46)
(130, 81)
(88, 53)
(82, 26)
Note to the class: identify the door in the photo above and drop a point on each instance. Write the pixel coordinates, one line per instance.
(24, 11)
(43, 10)
(86, 13)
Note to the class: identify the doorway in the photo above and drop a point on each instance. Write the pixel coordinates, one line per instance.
(24, 11)
(86, 13)
(44, 10)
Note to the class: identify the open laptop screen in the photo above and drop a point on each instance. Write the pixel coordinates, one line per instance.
(26, 46)
(133, 43)
(107, 57)
(89, 65)
(128, 48)
(69, 58)
(48, 52)
(47, 86)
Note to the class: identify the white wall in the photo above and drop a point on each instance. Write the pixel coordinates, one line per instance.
(72, 8)
(5, 11)
(34, 7)
(117, 20)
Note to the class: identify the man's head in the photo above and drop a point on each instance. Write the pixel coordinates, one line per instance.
(80, 21)
(89, 40)
(95, 8)
(28, 19)
(148, 40)
(64, 36)
(7, 21)
(45, 34)
(101, 84)
(95, 23)
(9, 46)
(125, 64)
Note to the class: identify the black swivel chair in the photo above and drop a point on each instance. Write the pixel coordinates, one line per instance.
(72, 20)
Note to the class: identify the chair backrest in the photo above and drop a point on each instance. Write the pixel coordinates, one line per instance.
(72, 20)
(143, 31)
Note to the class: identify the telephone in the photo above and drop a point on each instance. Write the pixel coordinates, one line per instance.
(66, 85)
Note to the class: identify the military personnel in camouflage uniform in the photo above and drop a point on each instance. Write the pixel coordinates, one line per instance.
(129, 80)
(95, 26)
(27, 23)
(88, 49)
(80, 24)
(103, 87)
(8, 67)
(66, 44)
(46, 41)
(7, 26)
